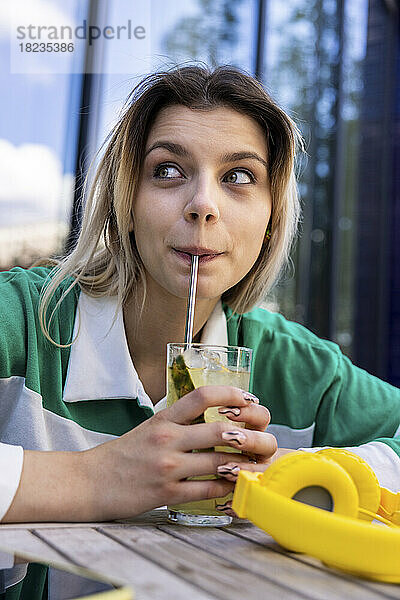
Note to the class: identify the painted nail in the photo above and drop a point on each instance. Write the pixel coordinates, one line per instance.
(228, 469)
(234, 436)
(226, 506)
(250, 397)
(226, 410)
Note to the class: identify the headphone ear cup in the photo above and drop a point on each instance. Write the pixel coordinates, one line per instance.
(369, 491)
(300, 470)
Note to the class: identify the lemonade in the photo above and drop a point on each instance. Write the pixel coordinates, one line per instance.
(205, 365)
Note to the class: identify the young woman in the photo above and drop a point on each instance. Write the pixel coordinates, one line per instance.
(201, 162)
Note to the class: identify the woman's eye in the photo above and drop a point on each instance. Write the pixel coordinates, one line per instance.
(239, 176)
(166, 172)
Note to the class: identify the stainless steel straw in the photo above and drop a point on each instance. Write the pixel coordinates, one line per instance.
(194, 268)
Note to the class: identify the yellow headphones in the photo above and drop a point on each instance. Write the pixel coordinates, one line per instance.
(278, 501)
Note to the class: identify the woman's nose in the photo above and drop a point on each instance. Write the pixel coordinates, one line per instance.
(203, 205)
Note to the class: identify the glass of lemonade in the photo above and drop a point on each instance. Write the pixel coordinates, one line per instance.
(189, 368)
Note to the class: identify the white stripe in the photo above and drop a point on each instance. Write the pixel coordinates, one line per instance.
(397, 434)
(287, 437)
(24, 421)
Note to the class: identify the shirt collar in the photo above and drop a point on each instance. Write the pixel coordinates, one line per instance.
(100, 365)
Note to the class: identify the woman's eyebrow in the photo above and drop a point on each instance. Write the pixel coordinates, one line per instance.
(234, 156)
(171, 146)
(179, 150)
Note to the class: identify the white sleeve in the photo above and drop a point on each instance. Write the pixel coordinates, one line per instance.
(381, 458)
(11, 461)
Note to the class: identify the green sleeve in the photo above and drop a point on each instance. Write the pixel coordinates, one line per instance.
(357, 408)
(23, 346)
(14, 311)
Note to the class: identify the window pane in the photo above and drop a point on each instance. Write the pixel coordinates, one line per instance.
(37, 146)
(304, 73)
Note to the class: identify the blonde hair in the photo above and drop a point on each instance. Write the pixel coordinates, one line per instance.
(105, 260)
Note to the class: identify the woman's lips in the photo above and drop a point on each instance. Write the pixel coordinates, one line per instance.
(188, 257)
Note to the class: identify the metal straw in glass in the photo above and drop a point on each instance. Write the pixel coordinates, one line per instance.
(194, 268)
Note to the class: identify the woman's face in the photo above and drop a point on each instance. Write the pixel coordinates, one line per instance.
(204, 188)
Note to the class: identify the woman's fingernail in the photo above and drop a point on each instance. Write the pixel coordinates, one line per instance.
(226, 506)
(226, 410)
(234, 436)
(250, 397)
(228, 469)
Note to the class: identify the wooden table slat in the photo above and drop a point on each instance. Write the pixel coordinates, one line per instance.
(89, 547)
(216, 575)
(25, 542)
(55, 525)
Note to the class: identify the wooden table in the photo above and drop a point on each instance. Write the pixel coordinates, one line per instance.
(165, 561)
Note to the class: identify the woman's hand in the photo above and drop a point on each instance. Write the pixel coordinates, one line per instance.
(149, 466)
(231, 470)
(253, 415)
(257, 418)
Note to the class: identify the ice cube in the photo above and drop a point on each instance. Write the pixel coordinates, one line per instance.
(196, 358)
(212, 360)
(193, 358)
